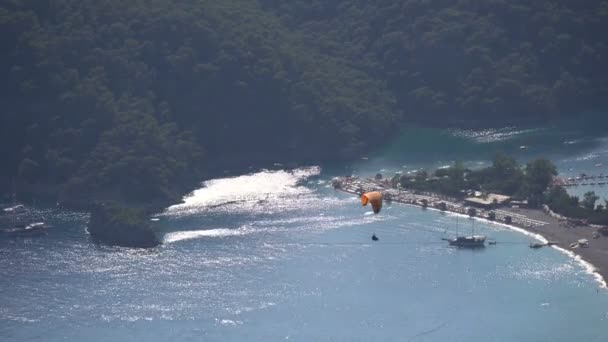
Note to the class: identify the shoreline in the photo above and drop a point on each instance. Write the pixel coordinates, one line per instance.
(532, 222)
(594, 258)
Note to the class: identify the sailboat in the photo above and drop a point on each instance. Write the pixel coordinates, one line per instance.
(471, 241)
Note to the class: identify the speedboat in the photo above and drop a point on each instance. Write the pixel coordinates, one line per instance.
(16, 209)
(34, 228)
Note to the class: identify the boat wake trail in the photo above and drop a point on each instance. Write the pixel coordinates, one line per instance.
(430, 331)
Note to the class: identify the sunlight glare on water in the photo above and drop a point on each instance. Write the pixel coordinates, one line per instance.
(248, 191)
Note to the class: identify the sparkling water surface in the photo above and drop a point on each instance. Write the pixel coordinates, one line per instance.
(279, 255)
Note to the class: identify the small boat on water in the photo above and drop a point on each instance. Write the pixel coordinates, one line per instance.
(537, 245)
(15, 209)
(35, 228)
(22, 224)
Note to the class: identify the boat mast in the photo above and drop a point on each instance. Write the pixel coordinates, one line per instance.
(473, 228)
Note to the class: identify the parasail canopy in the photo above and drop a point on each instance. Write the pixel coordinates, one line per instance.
(374, 198)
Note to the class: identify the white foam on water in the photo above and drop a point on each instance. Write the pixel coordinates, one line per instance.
(125, 318)
(19, 319)
(206, 233)
(252, 189)
(230, 322)
(588, 156)
(589, 268)
(492, 135)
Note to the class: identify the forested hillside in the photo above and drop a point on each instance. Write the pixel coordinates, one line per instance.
(134, 99)
(468, 61)
(138, 100)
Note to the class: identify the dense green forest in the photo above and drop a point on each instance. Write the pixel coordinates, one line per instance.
(138, 100)
(468, 62)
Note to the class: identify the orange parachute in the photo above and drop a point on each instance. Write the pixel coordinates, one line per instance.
(374, 198)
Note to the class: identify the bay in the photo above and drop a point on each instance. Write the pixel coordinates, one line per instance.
(279, 255)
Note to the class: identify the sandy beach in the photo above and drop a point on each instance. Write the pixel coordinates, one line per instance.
(535, 221)
(596, 253)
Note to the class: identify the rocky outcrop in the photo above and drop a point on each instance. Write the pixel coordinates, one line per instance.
(114, 225)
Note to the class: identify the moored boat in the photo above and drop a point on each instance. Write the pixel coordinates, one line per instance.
(473, 241)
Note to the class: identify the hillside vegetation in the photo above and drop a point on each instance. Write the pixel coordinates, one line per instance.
(139, 100)
(467, 61)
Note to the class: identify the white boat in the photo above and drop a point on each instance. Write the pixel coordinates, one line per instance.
(537, 244)
(35, 228)
(15, 209)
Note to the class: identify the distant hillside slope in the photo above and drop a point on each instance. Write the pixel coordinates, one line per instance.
(468, 61)
(139, 100)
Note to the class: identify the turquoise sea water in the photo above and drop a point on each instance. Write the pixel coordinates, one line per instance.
(278, 255)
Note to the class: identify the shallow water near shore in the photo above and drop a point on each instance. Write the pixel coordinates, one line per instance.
(278, 255)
